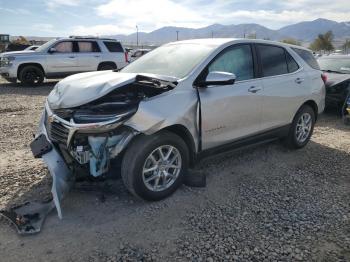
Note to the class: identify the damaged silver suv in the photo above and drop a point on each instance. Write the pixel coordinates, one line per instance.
(173, 106)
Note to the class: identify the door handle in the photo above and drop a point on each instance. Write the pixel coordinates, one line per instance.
(71, 56)
(254, 89)
(299, 80)
(96, 56)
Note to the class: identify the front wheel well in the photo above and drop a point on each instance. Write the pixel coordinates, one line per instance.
(29, 64)
(185, 134)
(313, 105)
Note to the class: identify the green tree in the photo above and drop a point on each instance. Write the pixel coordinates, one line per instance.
(291, 41)
(323, 42)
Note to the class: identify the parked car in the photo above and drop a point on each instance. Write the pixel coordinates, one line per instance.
(32, 48)
(138, 53)
(337, 69)
(61, 57)
(175, 105)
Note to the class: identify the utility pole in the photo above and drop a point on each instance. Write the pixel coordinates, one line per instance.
(177, 35)
(137, 35)
(212, 34)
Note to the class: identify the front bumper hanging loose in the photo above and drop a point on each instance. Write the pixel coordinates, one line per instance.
(29, 217)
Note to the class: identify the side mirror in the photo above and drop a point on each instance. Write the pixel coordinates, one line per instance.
(219, 78)
(52, 50)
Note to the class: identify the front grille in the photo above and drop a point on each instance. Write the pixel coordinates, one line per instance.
(57, 132)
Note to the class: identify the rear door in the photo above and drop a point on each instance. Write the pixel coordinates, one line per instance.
(89, 55)
(64, 59)
(232, 111)
(284, 85)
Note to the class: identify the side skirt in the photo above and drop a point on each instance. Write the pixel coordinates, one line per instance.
(257, 139)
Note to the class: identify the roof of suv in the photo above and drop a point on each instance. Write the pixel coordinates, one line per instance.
(222, 41)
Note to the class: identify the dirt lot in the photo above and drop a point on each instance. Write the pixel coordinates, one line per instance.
(260, 204)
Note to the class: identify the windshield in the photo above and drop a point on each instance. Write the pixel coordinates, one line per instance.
(45, 46)
(341, 65)
(175, 60)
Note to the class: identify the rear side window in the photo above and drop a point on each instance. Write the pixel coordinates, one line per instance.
(273, 60)
(237, 60)
(292, 65)
(88, 47)
(307, 57)
(114, 47)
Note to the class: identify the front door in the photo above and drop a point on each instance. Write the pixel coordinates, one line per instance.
(63, 59)
(233, 111)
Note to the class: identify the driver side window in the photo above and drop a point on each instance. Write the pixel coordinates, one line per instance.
(237, 60)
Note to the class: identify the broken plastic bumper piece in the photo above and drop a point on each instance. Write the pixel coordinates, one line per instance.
(29, 217)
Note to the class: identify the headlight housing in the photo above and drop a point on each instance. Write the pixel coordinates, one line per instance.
(7, 60)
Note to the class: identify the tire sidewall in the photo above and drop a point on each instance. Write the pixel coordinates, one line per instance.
(304, 109)
(37, 70)
(137, 181)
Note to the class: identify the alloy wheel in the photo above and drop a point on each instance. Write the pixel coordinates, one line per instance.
(303, 127)
(161, 168)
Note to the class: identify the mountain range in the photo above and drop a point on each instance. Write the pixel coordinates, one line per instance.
(304, 32)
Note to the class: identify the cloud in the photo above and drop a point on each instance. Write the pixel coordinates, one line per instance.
(52, 4)
(98, 30)
(124, 15)
(149, 15)
(46, 28)
(17, 11)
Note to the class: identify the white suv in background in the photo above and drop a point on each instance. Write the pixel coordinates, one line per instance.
(62, 57)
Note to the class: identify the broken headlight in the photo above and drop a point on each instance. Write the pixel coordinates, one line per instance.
(104, 112)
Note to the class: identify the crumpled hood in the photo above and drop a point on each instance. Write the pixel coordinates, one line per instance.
(79, 89)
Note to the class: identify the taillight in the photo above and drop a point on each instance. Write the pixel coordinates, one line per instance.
(324, 77)
(126, 57)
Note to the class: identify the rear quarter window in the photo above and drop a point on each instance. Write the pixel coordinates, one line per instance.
(114, 47)
(307, 57)
(273, 60)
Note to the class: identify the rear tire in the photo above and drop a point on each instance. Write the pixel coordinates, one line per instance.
(31, 75)
(302, 128)
(154, 166)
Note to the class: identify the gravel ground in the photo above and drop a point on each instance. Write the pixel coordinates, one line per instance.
(264, 203)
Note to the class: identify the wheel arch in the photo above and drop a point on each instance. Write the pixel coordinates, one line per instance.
(107, 63)
(21, 66)
(186, 135)
(313, 105)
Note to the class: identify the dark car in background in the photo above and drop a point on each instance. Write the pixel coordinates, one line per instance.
(337, 72)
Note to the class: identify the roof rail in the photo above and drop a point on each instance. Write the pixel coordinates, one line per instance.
(91, 37)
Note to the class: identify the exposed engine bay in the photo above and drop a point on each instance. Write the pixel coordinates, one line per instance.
(96, 146)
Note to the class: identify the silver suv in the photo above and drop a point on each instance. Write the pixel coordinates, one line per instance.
(62, 57)
(175, 105)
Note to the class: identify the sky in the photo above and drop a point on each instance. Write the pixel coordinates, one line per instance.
(111, 17)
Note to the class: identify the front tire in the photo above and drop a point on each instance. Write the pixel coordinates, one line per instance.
(302, 128)
(153, 167)
(31, 75)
